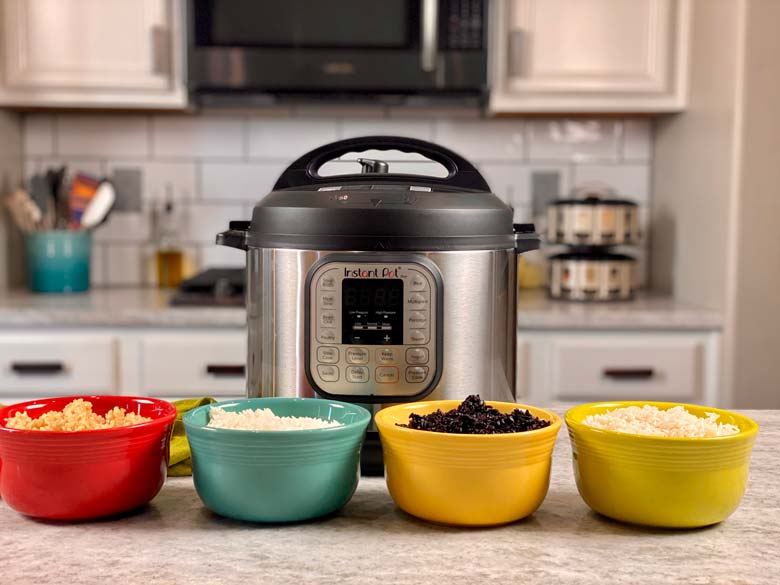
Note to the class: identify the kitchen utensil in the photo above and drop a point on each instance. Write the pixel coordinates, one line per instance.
(84, 474)
(277, 476)
(360, 267)
(592, 275)
(593, 221)
(56, 179)
(660, 481)
(99, 207)
(58, 261)
(25, 213)
(40, 192)
(474, 480)
(82, 190)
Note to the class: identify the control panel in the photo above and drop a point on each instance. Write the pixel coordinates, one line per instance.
(372, 329)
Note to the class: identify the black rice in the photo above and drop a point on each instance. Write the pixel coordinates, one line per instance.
(474, 417)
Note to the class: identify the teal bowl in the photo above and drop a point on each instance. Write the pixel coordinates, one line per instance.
(277, 476)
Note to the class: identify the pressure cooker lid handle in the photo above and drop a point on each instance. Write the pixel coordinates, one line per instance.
(305, 171)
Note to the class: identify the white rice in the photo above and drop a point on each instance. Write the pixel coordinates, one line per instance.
(263, 419)
(649, 420)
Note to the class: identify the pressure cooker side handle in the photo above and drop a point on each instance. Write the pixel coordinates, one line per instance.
(526, 238)
(305, 171)
(236, 236)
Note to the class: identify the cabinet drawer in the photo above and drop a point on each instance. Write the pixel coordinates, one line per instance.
(194, 365)
(50, 365)
(628, 368)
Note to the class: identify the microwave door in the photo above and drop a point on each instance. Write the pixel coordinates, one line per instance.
(321, 46)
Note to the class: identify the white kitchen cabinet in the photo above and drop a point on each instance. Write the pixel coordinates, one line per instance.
(582, 366)
(589, 55)
(93, 53)
(186, 365)
(35, 365)
(170, 363)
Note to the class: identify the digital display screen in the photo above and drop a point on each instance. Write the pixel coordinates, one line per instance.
(372, 311)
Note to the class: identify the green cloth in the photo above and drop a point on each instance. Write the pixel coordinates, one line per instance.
(180, 463)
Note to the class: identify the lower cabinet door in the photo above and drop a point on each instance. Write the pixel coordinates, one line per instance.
(628, 368)
(37, 365)
(178, 365)
(577, 366)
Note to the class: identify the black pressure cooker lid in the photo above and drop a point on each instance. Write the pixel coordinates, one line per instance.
(379, 209)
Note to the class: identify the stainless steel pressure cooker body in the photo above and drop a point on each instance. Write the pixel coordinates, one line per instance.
(381, 287)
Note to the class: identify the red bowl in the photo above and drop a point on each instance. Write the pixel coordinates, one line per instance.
(77, 475)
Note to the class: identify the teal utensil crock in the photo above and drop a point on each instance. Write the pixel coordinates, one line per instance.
(58, 260)
(277, 476)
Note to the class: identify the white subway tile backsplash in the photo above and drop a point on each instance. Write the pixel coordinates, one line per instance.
(509, 182)
(421, 129)
(97, 265)
(90, 166)
(30, 166)
(424, 168)
(218, 164)
(636, 140)
(196, 136)
(433, 112)
(513, 182)
(338, 111)
(288, 138)
(355, 128)
(206, 220)
(219, 256)
(339, 167)
(411, 167)
(485, 140)
(631, 181)
(125, 265)
(249, 181)
(160, 178)
(125, 227)
(102, 136)
(576, 140)
(38, 135)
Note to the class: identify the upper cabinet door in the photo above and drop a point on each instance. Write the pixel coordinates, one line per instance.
(122, 53)
(589, 55)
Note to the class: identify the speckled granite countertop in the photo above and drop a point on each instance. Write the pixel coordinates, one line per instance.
(142, 307)
(646, 312)
(150, 308)
(176, 541)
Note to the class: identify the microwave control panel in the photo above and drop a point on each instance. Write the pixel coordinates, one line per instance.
(373, 329)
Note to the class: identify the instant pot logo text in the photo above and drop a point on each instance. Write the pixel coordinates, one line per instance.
(385, 272)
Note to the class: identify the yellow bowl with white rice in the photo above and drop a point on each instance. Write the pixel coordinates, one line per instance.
(653, 464)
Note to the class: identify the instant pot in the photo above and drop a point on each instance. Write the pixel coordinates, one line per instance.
(381, 287)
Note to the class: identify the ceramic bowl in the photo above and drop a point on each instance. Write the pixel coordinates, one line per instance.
(277, 476)
(660, 481)
(84, 474)
(472, 480)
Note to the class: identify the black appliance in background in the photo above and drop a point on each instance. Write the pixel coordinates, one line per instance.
(215, 287)
(249, 51)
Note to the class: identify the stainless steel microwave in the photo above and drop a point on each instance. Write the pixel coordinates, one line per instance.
(345, 48)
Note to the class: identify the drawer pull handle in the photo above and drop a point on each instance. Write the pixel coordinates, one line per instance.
(37, 368)
(226, 370)
(629, 373)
